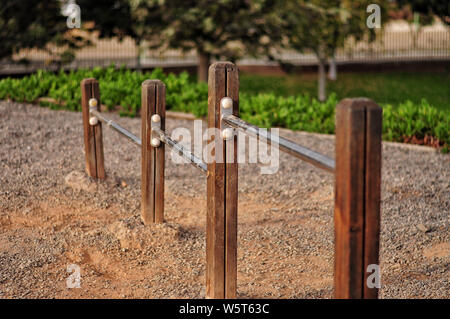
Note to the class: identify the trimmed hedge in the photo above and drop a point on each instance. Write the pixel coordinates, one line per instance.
(122, 87)
(118, 87)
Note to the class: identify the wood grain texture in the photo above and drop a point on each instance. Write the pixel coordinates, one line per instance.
(99, 157)
(221, 224)
(159, 153)
(93, 140)
(231, 191)
(374, 118)
(215, 246)
(353, 172)
(152, 184)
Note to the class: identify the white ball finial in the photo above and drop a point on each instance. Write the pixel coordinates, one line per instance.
(155, 142)
(227, 133)
(156, 118)
(226, 102)
(93, 102)
(93, 121)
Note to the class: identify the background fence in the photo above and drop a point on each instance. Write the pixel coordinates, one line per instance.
(397, 42)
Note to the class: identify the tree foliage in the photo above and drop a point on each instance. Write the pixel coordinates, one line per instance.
(223, 29)
(40, 24)
(428, 8)
(33, 24)
(109, 18)
(322, 26)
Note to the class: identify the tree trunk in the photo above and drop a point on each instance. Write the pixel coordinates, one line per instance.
(203, 66)
(332, 72)
(138, 56)
(322, 81)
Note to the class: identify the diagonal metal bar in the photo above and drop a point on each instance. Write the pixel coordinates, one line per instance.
(136, 140)
(188, 156)
(285, 145)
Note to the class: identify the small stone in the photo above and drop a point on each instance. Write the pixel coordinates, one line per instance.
(79, 181)
(423, 228)
(202, 292)
(123, 184)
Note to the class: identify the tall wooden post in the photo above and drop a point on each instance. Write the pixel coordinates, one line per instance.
(222, 187)
(93, 138)
(152, 184)
(357, 196)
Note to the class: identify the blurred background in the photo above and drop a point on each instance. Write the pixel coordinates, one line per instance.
(154, 33)
(291, 54)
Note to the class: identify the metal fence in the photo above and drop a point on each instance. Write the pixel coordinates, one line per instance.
(391, 45)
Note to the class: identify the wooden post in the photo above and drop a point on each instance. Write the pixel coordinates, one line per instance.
(93, 138)
(152, 184)
(357, 196)
(222, 188)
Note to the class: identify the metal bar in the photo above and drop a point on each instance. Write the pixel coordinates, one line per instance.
(191, 158)
(285, 145)
(136, 140)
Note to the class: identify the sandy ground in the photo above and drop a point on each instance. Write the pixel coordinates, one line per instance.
(52, 216)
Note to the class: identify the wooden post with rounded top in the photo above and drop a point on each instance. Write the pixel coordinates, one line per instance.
(357, 197)
(152, 183)
(222, 186)
(93, 138)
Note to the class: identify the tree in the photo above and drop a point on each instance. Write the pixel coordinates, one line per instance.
(322, 26)
(34, 24)
(215, 29)
(110, 18)
(42, 25)
(428, 8)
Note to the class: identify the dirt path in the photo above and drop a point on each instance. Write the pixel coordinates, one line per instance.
(52, 216)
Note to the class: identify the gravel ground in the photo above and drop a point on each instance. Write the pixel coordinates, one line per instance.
(52, 215)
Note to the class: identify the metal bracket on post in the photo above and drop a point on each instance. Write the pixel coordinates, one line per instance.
(226, 108)
(156, 124)
(93, 120)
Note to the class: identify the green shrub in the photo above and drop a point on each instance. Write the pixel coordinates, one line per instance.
(118, 87)
(421, 120)
(297, 112)
(122, 88)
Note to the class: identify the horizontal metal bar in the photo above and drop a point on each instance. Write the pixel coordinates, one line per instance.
(136, 140)
(188, 156)
(285, 145)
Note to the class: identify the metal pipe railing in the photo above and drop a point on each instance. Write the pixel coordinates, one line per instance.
(285, 145)
(195, 161)
(136, 140)
(191, 158)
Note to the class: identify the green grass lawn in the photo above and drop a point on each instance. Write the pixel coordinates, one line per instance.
(389, 87)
